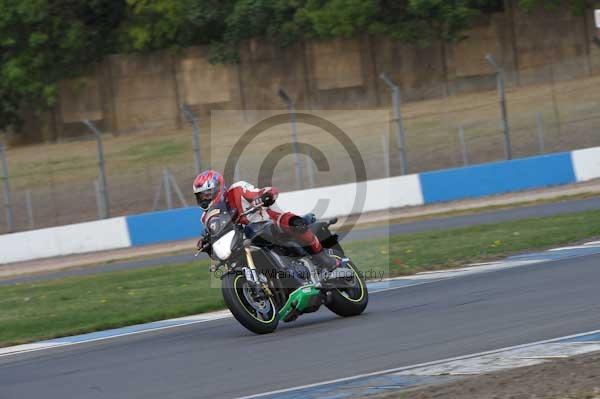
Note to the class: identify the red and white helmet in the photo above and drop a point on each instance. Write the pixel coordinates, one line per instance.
(209, 188)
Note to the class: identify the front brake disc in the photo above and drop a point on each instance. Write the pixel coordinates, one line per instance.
(261, 305)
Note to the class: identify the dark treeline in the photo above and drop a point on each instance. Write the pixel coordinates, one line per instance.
(44, 41)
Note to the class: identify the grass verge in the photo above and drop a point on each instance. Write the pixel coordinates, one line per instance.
(31, 312)
(475, 210)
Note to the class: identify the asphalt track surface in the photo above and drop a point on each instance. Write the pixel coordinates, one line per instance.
(439, 223)
(402, 327)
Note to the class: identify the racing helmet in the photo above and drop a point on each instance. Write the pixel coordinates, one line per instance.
(209, 188)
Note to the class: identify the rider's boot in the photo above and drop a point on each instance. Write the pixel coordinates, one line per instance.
(325, 260)
(321, 257)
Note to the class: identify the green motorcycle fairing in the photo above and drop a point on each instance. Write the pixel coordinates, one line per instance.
(299, 300)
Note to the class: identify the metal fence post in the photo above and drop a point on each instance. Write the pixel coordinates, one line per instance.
(463, 146)
(99, 202)
(597, 21)
(189, 115)
(167, 185)
(400, 133)
(290, 105)
(386, 155)
(502, 96)
(158, 192)
(29, 204)
(101, 166)
(540, 133)
(177, 189)
(6, 190)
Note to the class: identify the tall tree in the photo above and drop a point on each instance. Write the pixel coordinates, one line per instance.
(43, 41)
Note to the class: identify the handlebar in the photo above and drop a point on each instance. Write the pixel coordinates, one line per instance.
(253, 209)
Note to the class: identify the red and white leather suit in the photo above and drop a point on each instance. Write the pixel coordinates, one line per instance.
(242, 195)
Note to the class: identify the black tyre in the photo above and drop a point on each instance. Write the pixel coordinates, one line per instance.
(350, 301)
(260, 317)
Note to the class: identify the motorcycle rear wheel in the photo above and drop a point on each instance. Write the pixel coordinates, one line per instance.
(353, 301)
(260, 317)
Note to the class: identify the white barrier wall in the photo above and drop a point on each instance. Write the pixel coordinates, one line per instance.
(586, 164)
(64, 240)
(430, 187)
(380, 194)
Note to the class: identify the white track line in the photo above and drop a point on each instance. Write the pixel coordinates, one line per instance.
(420, 279)
(139, 328)
(185, 321)
(415, 366)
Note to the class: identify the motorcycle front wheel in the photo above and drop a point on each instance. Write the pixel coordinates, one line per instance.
(256, 314)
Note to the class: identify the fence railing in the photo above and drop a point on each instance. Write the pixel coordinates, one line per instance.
(101, 176)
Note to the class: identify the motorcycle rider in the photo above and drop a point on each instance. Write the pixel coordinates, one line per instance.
(210, 189)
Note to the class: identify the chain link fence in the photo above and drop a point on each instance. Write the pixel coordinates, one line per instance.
(55, 184)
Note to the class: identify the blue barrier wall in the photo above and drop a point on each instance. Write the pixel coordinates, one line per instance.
(439, 186)
(497, 178)
(156, 227)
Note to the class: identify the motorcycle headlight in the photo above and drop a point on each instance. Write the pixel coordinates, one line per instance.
(222, 247)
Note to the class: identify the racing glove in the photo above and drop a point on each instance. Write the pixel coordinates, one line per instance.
(203, 244)
(267, 199)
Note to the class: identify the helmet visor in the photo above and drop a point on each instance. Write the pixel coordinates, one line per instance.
(205, 197)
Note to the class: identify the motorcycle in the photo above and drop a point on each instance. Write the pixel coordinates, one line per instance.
(267, 278)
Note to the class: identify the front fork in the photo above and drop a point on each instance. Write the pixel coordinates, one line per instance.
(251, 273)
